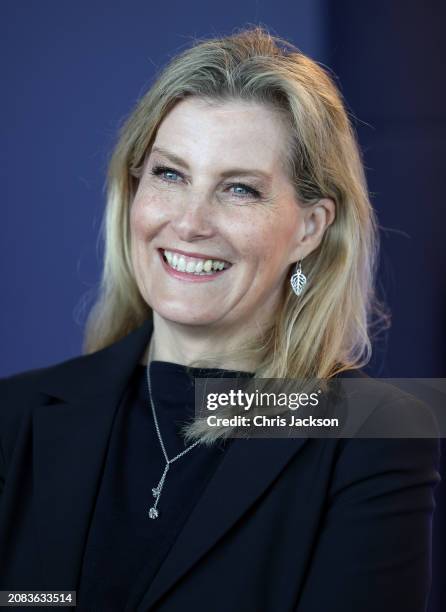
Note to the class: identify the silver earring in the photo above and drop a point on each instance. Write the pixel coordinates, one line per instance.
(298, 280)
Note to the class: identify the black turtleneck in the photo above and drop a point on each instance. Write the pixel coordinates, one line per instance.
(124, 547)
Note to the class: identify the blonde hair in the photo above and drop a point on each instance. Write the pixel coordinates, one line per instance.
(327, 329)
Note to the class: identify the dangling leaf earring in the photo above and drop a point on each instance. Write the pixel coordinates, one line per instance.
(298, 280)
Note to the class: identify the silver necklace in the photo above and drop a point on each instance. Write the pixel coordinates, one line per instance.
(156, 491)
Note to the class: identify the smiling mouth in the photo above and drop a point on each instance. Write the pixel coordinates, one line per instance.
(193, 265)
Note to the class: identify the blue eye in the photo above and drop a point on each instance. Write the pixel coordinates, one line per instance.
(249, 191)
(163, 170)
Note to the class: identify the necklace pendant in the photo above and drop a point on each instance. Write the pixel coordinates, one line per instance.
(155, 491)
(153, 513)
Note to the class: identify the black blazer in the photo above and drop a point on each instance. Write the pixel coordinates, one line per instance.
(303, 525)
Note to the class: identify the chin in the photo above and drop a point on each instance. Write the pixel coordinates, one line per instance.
(178, 315)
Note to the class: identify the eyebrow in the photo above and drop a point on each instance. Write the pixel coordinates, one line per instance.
(175, 159)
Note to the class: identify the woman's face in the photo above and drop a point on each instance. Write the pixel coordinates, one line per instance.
(213, 188)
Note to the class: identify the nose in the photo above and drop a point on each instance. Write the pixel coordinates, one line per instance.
(194, 220)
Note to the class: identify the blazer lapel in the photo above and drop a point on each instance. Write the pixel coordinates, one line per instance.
(70, 434)
(249, 467)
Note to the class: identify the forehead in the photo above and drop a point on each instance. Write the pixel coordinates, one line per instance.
(205, 131)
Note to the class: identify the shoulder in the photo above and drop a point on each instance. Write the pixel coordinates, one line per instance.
(395, 438)
(78, 379)
(17, 392)
(20, 393)
(23, 394)
(24, 385)
(385, 407)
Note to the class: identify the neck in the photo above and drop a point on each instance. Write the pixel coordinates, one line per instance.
(183, 344)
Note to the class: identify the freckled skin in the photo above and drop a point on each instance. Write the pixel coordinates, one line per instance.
(194, 209)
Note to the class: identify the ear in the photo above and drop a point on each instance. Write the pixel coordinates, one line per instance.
(316, 219)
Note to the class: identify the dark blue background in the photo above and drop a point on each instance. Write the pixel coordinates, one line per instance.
(72, 72)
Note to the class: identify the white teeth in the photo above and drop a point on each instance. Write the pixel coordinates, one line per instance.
(193, 265)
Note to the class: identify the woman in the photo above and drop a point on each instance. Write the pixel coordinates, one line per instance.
(239, 242)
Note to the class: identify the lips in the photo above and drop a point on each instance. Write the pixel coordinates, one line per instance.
(202, 256)
(202, 276)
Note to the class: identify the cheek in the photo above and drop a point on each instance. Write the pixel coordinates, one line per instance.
(147, 213)
(271, 243)
(138, 221)
(262, 240)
